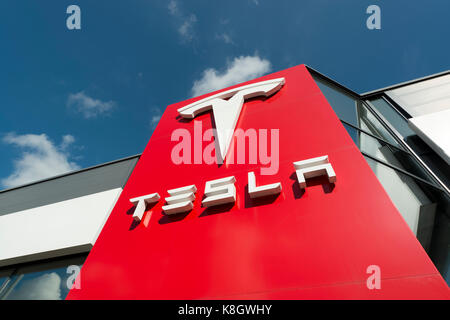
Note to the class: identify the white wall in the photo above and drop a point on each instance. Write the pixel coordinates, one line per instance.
(434, 129)
(423, 97)
(57, 229)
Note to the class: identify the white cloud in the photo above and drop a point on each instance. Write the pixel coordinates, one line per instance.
(45, 287)
(89, 107)
(155, 119)
(186, 30)
(66, 141)
(40, 158)
(241, 69)
(156, 115)
(185, 22)
(225, 37)
(173, 8)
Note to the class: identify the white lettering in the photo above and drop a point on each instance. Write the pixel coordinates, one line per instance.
(313, 168)
(219, 192)
(261, 191)
(180, 200)
(141, 203)
(222, 191)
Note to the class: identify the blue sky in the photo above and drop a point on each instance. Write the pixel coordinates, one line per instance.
(75, 98)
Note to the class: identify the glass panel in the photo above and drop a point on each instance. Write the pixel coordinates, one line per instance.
(353, 110)
(387, 153)
(367, 121)
(5, 280)
(425, 209)
(43, 281)
(394, 118)
(342, 103)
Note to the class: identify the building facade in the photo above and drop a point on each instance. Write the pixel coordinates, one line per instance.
(374, 196)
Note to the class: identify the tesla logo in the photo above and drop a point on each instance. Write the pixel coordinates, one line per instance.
(223, 191)
(226, 112)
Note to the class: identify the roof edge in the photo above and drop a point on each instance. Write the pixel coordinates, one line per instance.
(71, 173)
(405, 83)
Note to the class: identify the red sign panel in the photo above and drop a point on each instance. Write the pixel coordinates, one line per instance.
(312, 243)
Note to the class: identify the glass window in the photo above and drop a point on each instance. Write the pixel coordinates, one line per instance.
(49, 280)
(353, 111)
(393, 117)
(342, 103)
(425, 210)
(387, 153)
(368, 122)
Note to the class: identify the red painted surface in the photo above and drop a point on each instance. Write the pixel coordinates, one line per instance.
(311, 245)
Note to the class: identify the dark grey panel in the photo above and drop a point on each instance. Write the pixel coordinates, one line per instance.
(77, 184)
